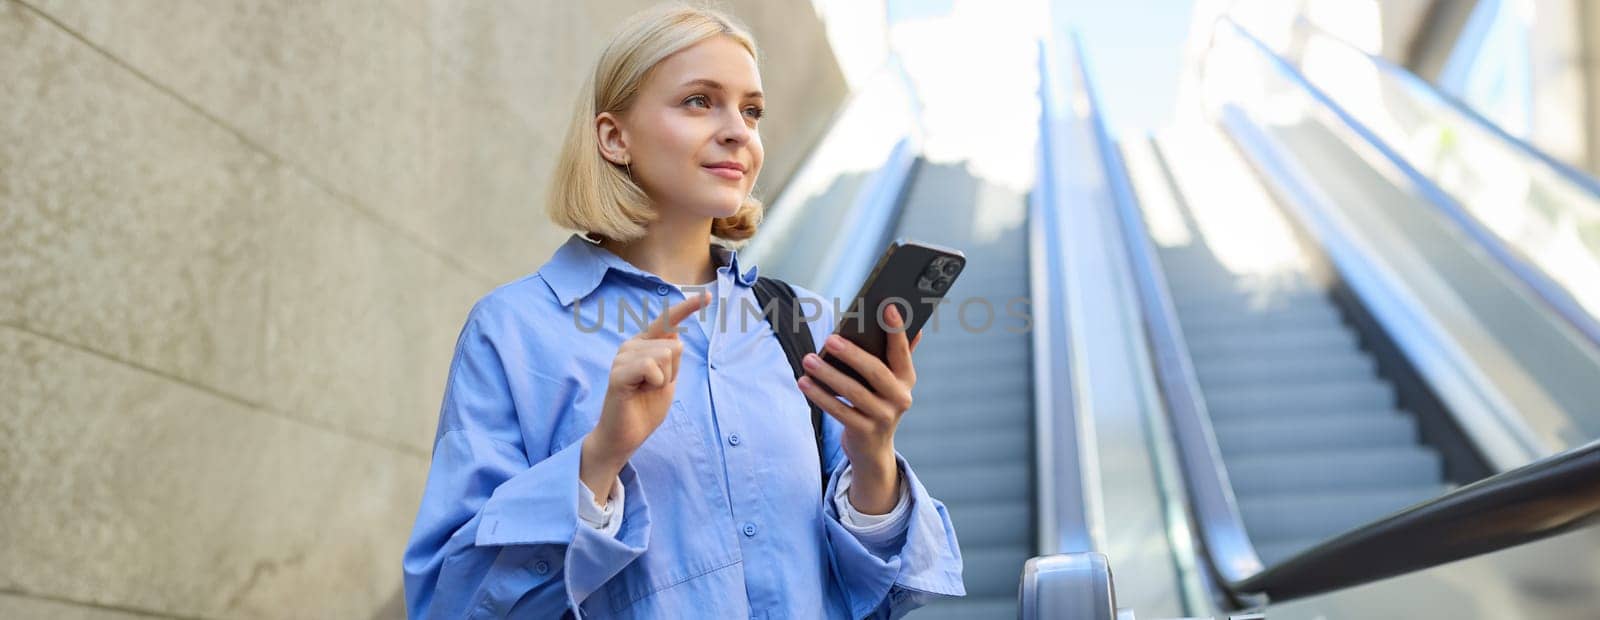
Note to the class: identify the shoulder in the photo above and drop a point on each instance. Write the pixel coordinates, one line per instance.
(525, 295)
(512, 308)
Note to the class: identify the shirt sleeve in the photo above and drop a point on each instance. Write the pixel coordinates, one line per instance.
(907, 570)
(877, 532)
(912, 568)
(597, 517)
(499, 533)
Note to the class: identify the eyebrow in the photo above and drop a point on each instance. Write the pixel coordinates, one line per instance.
(716, 85)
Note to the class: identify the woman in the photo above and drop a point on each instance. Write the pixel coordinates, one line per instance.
(589, 463)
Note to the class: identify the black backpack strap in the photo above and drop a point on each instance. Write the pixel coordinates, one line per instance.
(795, 337)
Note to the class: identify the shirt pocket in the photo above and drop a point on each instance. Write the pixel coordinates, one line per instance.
(690, 527)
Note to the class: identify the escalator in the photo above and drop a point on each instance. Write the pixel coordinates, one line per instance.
(1261, 367)
(1312, 438)
(1351, 383)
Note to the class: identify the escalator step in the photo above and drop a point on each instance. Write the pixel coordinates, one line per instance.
(1297, 400)
(1258, 344)
(1203, 299)
(953, 335)
(939, 388)
(970, 607)
(1309, 384)
(999, 444)
(1250, 436)
(988, 483)
(1310, 315)
(1301, 516)
(1346, 364)
(1264, 328)
(992, 571)
(1202, 285)
(1252, 304)
(992, 524)
(1299, 414)
(935, 361)
(1269, 345)
(969, 412)
(1270, 474)
(1287, 357)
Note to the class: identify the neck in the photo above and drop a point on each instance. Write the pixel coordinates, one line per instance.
(676, 250)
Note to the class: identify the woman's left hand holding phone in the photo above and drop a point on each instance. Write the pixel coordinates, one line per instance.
(643, 379)
(870, 424)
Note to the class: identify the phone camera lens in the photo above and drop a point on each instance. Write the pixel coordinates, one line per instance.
(932, 271)
(951, 268)
(941, 284)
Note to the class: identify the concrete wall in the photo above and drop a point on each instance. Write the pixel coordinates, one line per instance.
(237, 242)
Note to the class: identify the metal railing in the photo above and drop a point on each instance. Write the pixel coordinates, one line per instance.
(1218, 522)
(1065, 521)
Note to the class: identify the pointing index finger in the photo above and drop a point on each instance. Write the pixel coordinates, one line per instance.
(666, 325)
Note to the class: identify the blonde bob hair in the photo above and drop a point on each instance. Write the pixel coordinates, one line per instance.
(589, 194)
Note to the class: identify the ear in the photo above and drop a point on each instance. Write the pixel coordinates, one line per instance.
(612, 139)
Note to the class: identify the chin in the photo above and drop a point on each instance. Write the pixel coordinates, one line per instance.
(724, 206)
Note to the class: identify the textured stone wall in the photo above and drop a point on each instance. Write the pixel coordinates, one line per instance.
(237, 242)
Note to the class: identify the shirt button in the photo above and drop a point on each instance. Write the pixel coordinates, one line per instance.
(734, 439)
(749, 529)
(542, 567)
(662, 289)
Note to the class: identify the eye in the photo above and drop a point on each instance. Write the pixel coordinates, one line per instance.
(698, 101)
(755, 112)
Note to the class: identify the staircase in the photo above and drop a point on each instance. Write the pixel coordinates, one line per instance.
(1310, 434)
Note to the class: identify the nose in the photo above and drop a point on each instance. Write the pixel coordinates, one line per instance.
(734, 131)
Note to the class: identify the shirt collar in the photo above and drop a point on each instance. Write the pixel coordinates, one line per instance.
(579, 265)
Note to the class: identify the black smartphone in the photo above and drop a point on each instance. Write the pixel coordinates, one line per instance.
(911, 275)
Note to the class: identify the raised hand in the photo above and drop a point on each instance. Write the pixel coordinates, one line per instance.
(644, 377)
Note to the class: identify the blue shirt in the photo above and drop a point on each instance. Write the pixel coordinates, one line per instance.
(724, 514)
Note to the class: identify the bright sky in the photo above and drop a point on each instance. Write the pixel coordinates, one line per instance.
(1135, 52)
(1135, 46)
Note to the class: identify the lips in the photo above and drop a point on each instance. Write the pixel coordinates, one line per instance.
(730, 170)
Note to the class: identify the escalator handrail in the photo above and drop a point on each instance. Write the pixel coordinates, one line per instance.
(1551, 496)
(1589, 184)
(1214, 507)
(1551, 294)
(871, 222)
(873, 217)
(1068, 586)
(1064, 517)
